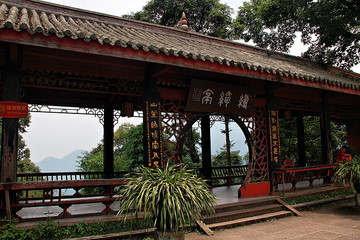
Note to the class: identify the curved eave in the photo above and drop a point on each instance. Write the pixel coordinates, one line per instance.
(175, 58)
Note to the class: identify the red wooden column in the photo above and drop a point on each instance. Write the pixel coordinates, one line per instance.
(9, 142)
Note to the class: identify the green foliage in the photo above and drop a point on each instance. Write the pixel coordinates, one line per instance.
(316, 197)
(220, 158)
(133, 148)
(51, 230)
(191, 156)
(349, 171)
(170, 196)
(312, 134)
(331, 28)
(128, 151)
(207, 16)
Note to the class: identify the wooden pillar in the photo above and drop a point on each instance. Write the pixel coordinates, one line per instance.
(108, 140)
(326, 151)
(301, 139)
(206, 148)
(273, 134)
(12, 79)
(353, 134)
(152, 130)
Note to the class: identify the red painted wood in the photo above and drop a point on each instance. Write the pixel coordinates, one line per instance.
(11, 109)
(255, 190)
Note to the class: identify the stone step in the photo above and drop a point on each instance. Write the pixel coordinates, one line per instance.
(243, 213)
(243, 205)
(249, 220)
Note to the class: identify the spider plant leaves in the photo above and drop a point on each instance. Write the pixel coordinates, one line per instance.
(170, 197)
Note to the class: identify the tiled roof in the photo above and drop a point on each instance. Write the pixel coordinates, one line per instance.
(46, 19)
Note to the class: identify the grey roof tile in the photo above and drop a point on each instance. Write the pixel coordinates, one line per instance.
(49, 20)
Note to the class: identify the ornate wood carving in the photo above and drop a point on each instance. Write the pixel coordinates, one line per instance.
(81, 83)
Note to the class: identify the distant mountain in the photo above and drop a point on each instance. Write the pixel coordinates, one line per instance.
(66, 164)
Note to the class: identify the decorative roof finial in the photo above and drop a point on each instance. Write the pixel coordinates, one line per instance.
(184, 25)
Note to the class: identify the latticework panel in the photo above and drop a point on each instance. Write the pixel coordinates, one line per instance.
(258, 165)
(174, 118)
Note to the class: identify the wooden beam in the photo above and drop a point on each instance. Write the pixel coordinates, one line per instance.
(92, 47)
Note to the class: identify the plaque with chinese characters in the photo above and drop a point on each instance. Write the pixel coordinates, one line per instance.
(207, 96)
(274, 135)
(10, 109)
(153, 127)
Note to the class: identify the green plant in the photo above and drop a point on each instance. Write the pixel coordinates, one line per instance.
(316, 197)
(349, 171)
(170, 197)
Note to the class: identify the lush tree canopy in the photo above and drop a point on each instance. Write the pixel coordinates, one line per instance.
(331, 28)
(128, 151)
(312, 134)
(206, 16)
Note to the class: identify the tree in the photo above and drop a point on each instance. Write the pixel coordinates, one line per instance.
(128, 151)
(24, 164)
(221, 159)
(192, 144)
(288, 137)
(331, 28)
(204, 16)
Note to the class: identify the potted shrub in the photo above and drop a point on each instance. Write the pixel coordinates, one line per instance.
(350, 171)
(171, 197)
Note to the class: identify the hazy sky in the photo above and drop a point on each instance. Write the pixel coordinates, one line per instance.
(57, 135)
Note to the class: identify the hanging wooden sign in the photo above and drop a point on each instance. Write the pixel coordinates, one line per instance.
(10, 109)
(153, 127)
(274, 134)
(213, 97)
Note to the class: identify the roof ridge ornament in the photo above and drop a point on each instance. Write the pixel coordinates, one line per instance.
(182, 24)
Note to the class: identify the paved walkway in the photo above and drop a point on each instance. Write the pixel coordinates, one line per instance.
(339, 221)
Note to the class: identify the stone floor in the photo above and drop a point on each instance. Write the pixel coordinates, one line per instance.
(339, 221)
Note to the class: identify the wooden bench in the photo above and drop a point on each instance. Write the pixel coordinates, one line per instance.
(297, 174)
(49, 198)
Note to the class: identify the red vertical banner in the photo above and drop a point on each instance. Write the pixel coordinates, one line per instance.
(153, 125)
(10, 109)
(274, 134)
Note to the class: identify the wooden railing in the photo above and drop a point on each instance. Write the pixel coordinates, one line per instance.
(66, 176)
(225, 176)
(64, 189)
(297, 174)
(50, 193)
(236, 173)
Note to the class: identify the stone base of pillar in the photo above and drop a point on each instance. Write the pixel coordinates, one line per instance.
(254, 190)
